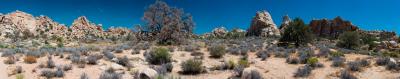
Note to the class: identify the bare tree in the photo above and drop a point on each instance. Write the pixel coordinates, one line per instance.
(170, 24)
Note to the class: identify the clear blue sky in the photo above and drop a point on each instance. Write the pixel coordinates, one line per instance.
(208, 14)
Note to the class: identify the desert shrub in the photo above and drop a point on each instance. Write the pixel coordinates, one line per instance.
(8, 52)
(84, 76)
(108, 54)
(67, 67)
(124, 61)
(390, 54)
(392, 66)
(168, 66)
(134, 51)
(353, 66)
(30, 59)
(364, 62)
(48, 73)
(382, 61)
(82, 63)
(349, 40)
(92, 60)
(230, 64)
(158, 56)
(312, 60)
(110, 74)
(50, 63)
(238, 70)
(263, 55)
(338, 61)
(10, 60)
(244, 63)
(59, 72)
(347, 75)
(119, 50)
(303, 71)
(298, 33)
(292, 60)
(192, 66)
(254, 74)
(336, 54)
(217, 51)
(19, 76)
(304, 56)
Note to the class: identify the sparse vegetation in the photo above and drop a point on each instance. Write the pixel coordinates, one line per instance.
(217, 51)
(158, 56)
(298, 33)
(30, 59)
(303, 71)
(110, 74)
(192, 66)
(349, 40)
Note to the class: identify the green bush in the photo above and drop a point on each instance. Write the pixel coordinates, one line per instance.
(158, 56)
(192, 66)
(349, 40)
(312, 60)
(217, 51)
(336, 54)
(298, 33)
(244, 63)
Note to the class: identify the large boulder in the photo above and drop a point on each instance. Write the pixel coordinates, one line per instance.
(331, 28)
(250, 73)
(144, 73)
(263, 25)
(219, 32)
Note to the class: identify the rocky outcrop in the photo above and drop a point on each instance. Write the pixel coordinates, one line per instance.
(82, 27)
(331, 28)
(118, 31)
(263, 25)
(47, 27)
(219, 32)
(285, 23)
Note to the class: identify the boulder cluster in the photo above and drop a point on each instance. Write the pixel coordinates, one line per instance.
(20, 24)
(331, 28)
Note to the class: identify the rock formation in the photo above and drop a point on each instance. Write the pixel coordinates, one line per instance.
(331, 28)
(219, 32)
(19, 24)
(263, 25)
(285, 23)
(83, 27)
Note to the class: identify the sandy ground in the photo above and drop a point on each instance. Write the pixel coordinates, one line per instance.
(272, 68)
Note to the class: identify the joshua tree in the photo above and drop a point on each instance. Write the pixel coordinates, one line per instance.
(170, 24)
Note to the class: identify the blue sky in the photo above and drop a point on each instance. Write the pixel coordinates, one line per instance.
(208, 14)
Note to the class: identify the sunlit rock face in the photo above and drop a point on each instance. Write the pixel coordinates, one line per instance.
(263, 25)
(285, 23)
(331, 28)
(117, 31)
(219, 32)
(82, 27)
(17, 23)
(48, 27)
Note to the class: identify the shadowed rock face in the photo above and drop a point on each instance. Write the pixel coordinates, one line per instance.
(263, 25)
(285, 23)
(331, 28)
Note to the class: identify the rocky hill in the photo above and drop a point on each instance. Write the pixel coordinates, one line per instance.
(331, 28)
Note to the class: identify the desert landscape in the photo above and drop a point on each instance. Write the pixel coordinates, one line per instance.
(36, 47)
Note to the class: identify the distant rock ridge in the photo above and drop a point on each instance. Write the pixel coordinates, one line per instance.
(263, 25)
(331, 28)
(21, 24)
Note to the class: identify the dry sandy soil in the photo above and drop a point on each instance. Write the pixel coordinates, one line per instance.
(272, 68)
